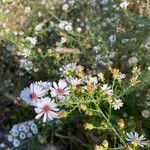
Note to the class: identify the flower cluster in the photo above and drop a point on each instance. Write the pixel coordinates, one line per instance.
(21, 132)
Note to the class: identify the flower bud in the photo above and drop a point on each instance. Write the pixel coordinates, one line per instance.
(89, 112)
(88, 126)
(121, 123)
(105, 144)
(82, 106)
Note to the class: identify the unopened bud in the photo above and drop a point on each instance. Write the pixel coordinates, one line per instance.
(105, 144)
(88, 126)
(82, 106)
(121, 123)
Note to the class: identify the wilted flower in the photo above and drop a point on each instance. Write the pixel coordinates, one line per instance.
(135, 139)
(47, 108)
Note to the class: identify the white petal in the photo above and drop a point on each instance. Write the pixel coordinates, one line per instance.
(44, 118)
(38, 110)
(39, 115)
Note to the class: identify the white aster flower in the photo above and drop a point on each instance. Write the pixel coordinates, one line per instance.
(63, 40)
(68, 27)
(124, 4)
(132, 60)
(26, 64)
(59, 90)
(112, 38)
(27, 9)
(24, 52)
(117, 104)
(121, 76)
(107, 89)
(68, 70)
(74, 81)
(45, 85)
(65, 7)
(32, 40)
(39, 26)
(46, 108)
(16, 143)
(145, 114)
(62, 24)
(79, 29)
(33, 93)
(135, 139)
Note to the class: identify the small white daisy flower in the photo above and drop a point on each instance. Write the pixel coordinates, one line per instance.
(79, 29)
(26, 130)
(135, 139)
(32, 40)
(65, 7)
(121, 76)
(46, 108)
(22, 136)
(117, 104)
(59, 90)
(62, 24)
(63, 40)
(112, 38)
(2, 145)
(107, 89)
(14, 132)
(35, 131)
(33, 127)
(145, 114)
(33, 93)
(68, 27)
(16, 143)
(21, 127)
(10, 138)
